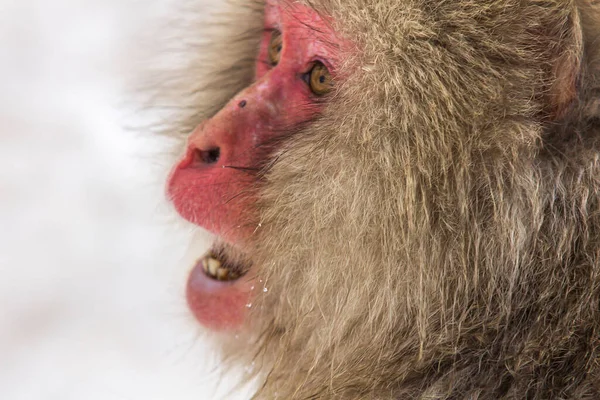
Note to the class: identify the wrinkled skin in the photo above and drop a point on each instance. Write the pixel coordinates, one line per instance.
(430, 228)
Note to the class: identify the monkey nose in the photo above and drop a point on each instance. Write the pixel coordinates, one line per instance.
(200, 157)
(204, 149)
(207, 147)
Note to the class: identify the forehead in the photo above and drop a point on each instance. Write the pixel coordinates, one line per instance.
(298, 19)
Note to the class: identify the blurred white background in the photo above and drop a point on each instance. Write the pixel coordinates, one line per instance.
(92, 283)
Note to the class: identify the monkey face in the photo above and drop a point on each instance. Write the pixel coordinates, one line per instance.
(406, 205)
(215, 184)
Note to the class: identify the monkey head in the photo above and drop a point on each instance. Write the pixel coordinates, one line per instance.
(215, 184)
(405, 197)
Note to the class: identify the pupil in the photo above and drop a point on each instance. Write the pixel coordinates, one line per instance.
(322, 79)
(279, 48)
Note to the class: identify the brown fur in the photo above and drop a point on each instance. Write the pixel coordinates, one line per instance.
(436, 233)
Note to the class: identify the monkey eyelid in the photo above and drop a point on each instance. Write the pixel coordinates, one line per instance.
(317, 59)
(311, 64)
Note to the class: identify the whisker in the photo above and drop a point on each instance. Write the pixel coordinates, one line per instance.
(244, 169)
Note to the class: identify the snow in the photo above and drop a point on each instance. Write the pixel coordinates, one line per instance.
(93, 268)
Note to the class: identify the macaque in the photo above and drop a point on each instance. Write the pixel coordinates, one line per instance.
(405, 196)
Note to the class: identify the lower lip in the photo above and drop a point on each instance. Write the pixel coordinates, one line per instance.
(219, 306)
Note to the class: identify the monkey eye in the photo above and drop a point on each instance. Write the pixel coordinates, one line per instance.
(275, 47)
(320, 80)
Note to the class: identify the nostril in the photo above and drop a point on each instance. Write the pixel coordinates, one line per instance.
(210, 156)
(213, 155)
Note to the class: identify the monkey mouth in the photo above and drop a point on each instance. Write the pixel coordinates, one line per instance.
(218, 266)
(219, 288)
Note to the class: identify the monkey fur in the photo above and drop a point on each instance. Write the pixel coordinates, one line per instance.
(435, 232)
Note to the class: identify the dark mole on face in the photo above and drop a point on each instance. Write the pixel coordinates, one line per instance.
(243, 103)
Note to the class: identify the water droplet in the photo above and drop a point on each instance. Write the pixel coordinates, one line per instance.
(252, 288)
(265, 290)
(249, 305)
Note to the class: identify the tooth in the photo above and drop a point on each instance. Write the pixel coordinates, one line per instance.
(223, 274)
(213, 266)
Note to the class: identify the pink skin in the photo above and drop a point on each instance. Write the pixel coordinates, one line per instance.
(208, 193)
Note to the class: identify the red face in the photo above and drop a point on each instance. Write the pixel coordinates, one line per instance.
(214, 185)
